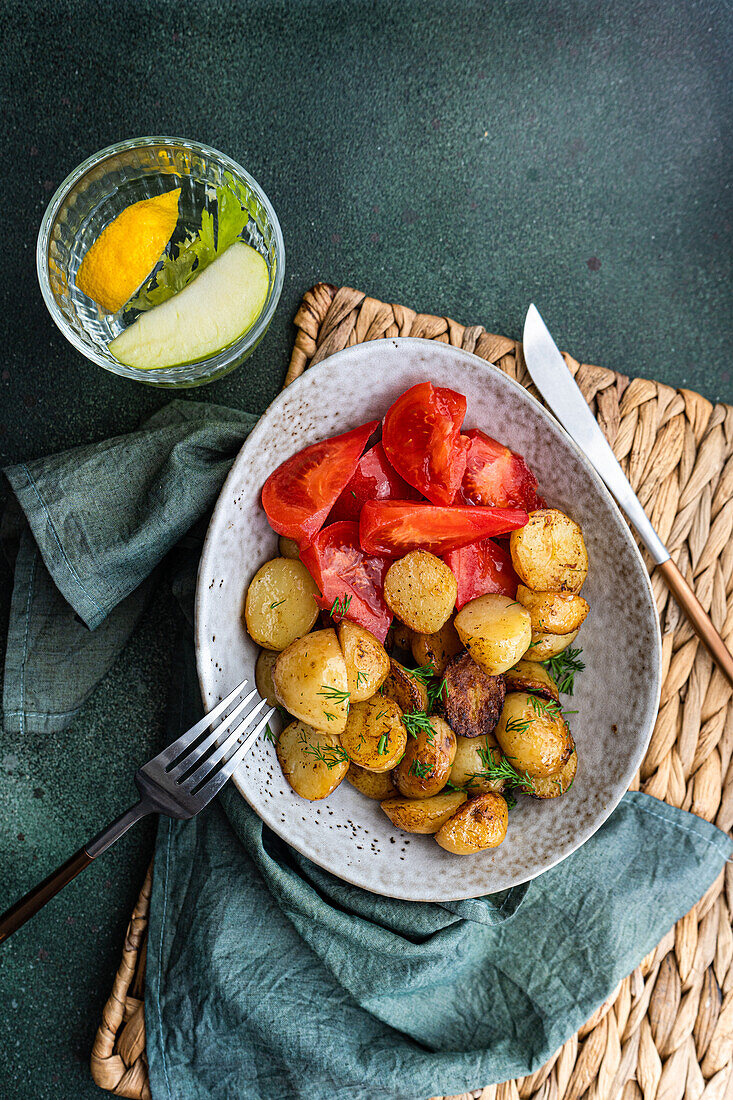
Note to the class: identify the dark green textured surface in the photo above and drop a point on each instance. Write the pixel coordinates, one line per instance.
(459, 158)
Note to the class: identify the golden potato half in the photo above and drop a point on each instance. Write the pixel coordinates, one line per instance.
(280, 604)
(531, 676)
(553, 612)
(479, 823)
(310, 681)
(552, 786)
(423, 815)
(533, 735)
(408, 692)
(367, 662)
(437, 649)
(263, 675)
(312, 762)
(545, 646)
(474, 756)
(376, 785)
(374, 737)
(421, 591)
(495, 630)
(548, 553)
(426, 765)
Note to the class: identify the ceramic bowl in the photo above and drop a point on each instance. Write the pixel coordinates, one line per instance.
(616, 697)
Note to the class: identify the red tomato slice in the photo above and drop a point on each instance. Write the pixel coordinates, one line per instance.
(343, 571)
(422, 440)
(373, 479)
(479, 568)
(300, 493)
(394, 527)
(496, 476)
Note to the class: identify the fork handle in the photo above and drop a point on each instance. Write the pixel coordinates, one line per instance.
(36, 898)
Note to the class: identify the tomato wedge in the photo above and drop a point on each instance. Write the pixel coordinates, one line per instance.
(479, 568)
(373, 479)
(300, 493)
(394, 527)
(344, 572)
(496, 476)
(422, 439)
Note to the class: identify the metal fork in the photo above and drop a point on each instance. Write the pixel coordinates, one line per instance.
(179, 782)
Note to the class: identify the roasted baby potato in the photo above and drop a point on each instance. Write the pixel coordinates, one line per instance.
(421, 591)
(374, 737)
(367, 663)
(548, 553)
(280, 604)
(545, 646)
(473, 756)
(288, 548)
(531, 676)
(471, 700)
(479, 823)
(377, 785)
(312, 762)
(310, 681)
(533, 735)
(437, 649)
(409, 693)
(552, 786)
(426, 765)
(399, 637)
(263, 675)
(423, 815)
(553, 612)
(495, 630)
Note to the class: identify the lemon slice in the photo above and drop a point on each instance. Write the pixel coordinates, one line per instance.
(127, 250)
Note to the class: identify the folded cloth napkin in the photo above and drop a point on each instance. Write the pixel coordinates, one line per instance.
(266, 976)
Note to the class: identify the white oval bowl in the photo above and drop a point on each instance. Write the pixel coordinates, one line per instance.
(616, 697)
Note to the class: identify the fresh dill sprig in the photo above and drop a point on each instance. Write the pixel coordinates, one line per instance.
(330, 755)
(518, 725)
(382, 748)
(340, 606)
(510, 799)
(563, 668)
(416, 721)
(268, 735)
(545, 708)
(361, 678)
(276, 604)
(423, 673)
(503, 770)
(418, 768)
(437, 691)
(335, 695)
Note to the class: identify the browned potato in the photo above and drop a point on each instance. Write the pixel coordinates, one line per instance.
(367, 663)
(437, 649)
(310, 681)
(471, 700)
(423, 815)
(425, 767)
(374, 737)
(533, 734)
(280, 604)
(263, 675)
(479, 823)
(409, 693)
(553, 612)
(545, 646)
(312, 762)
(377, 785)
(552, 786)
(421, 590)
(531, 676)
(549, 553)
(495, 630)
(288, 548)
(399, 637)
(473, 756)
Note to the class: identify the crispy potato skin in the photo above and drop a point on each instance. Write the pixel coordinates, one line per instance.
(426, 765)
(553, 612)
(423, 815)
(495, 630)
(531, 676)
(471, 701)
(479, 823)
(366, 725)
(559, 783)
(288, 548)
(306, 677)
(421, 591)
(437, 649)
(545, 646)
(468, 763)
(309, 776)
(538, 743)
(548, 553)
(408, 693)
(263, 675)
(367, 663)
(280, 604)
(376, 785)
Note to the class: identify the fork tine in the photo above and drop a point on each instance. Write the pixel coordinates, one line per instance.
(197, 750)
(187, 739)
(212, 762)
(215, 782)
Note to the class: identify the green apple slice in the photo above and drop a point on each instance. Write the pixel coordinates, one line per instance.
(207, 315)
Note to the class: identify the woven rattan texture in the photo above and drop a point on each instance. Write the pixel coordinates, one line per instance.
(667, 1031)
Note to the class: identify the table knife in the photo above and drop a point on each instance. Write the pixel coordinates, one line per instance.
(552, 378)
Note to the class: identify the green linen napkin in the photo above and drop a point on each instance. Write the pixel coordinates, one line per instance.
(266, 976)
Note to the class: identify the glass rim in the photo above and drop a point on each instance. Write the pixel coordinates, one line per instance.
(203, 369)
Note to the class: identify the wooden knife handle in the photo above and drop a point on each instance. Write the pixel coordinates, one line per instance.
(700, 620)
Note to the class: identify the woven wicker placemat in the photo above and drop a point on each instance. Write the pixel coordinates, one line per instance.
(666, 1033)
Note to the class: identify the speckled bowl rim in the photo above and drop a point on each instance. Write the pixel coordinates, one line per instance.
(333, 363)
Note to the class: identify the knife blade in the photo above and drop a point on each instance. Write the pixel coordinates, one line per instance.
(552, 378)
